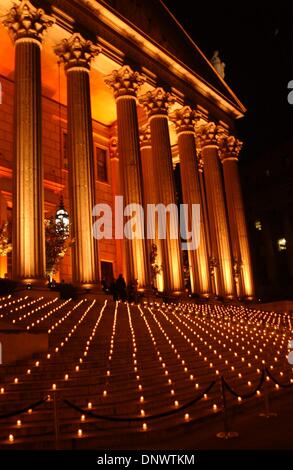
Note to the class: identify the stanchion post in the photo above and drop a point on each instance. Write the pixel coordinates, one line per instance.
(226, 434)
(56, 424)
(267, 413)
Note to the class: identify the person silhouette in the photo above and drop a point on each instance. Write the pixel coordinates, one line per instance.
(121, 288)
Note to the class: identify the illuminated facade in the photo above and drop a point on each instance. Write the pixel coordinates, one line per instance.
(121, 108)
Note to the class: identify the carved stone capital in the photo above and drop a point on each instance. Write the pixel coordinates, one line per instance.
(125, 82)
(230, 147)
(24, 20)
(209, 134)
(184, 119)
(145, 136)
(157, 102)
(77, 52)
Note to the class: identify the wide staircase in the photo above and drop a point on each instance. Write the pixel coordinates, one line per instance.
(120, 375)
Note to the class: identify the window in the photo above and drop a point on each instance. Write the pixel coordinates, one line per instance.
(102, 164)
(65, 150)
(282, 244)
(258, 225)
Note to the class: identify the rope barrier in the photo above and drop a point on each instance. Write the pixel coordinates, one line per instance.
(140, 418)
(276, 381)
(265, 372)
(250, 394)
(24, 410)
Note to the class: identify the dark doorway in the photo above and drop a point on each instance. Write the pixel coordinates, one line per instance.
(107, 271)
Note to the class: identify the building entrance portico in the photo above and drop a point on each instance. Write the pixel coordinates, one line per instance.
(158, 111)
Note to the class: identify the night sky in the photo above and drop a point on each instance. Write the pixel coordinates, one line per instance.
(256, 43)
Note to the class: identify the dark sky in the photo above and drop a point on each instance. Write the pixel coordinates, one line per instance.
(255, 41)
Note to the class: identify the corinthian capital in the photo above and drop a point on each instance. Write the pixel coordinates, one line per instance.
(184, 119)
(157, 102)
(230, 147)
(24, 20)
(124, 82)
(209, 134)
(145, 136)
(77, 52)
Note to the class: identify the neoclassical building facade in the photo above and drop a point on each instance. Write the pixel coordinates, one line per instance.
(96, 103)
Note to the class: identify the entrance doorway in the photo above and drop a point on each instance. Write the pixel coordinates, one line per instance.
(107, 272)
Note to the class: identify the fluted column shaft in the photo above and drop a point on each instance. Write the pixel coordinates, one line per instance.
(125, 84)
(149, 188)
(156, 104)
(221, 261)
(28, 224)
(116, 189)
(237, 224)
(218, 220)
(27, 25)
(198, 258)
(77, 53)
(81, 175)
(164, 181)
(130, 170)
(204, 208)
(149, 197)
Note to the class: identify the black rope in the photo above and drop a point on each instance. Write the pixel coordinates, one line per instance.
(246, 395)
(23, 410)
(140, 418)
(276, 381)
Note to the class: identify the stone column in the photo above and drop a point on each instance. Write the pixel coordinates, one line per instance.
(156, 104)
(27, 26)
(204, 201)
(149, 189)
(116, 190)
(184, 120)
(212, 264)
(221, 261)
(125, 84)
(77, 53)
(150, 197)
(229, 150)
